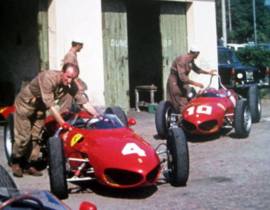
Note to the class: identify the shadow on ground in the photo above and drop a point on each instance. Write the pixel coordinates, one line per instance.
(131, 193)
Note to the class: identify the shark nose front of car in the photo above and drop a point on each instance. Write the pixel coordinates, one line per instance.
(120, 177)
(209, 126)
(125, 179)
(189, 126)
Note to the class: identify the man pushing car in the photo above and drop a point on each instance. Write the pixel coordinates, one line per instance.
(31, 105)
(178, 80)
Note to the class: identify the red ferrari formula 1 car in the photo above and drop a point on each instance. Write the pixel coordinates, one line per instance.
(107, 150)
(208, 112)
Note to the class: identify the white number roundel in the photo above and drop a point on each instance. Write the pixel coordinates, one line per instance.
(132, 148)
(200, 110)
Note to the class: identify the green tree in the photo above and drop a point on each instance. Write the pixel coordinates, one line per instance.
(242, 21)
(254, 56)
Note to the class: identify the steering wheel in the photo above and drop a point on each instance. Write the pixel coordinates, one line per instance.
(213, 90)
(90, 122)
(209, 90)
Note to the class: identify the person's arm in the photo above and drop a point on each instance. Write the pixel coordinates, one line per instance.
(197, 84)
(90, 109)
(201, 71)
(53, 111)
(183, 77)
(207, 72)
(87, 106)
(47, 83)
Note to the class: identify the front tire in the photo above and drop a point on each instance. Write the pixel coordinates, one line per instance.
(254, 101)
(163, 118)
(178, 157)
(9, 137)
(116, 110)
(57, 168)
(242, 119)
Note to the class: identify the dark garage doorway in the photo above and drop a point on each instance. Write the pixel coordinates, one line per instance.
(144, 48)
(19, 51)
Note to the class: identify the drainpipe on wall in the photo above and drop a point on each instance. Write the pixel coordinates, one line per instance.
(224, 27)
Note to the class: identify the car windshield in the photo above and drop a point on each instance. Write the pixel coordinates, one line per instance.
(227, 57)
(109, 121)
(213, 93)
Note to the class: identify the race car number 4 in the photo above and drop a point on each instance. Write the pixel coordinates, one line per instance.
(200, 110)
(132, 148)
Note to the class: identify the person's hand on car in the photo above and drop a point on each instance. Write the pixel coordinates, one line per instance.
(200, 85)
(212, 72)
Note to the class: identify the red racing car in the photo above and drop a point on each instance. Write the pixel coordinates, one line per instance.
(104, 149)
(209, 112)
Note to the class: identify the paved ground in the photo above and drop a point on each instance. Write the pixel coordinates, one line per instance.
(225, 173)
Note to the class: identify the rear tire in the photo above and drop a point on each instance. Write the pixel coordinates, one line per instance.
(57, 168)
(178, 157)
(254, 101)
(6, 180)
(162, 118)
(116, 110)
(9, 137)
(242, 119)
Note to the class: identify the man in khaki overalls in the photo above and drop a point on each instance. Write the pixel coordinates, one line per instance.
(178, 80)
(30, 112)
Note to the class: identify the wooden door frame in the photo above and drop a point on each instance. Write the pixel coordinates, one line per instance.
(43, 37)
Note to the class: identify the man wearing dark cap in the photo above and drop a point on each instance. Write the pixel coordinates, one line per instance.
(178, 81)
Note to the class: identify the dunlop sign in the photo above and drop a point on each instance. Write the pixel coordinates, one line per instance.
(118, 43)
(167, 42)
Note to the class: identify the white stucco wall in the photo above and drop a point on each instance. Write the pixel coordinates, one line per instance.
(83, 18)
(80, 18)
(201, 22)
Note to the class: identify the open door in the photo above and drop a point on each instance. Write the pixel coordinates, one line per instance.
(173, 29)
(115, 47)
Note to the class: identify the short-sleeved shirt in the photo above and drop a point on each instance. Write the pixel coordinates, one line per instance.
(181, 67)
(71, 57)
(46, 88)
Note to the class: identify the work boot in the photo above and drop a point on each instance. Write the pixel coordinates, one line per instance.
(32, 171)
(16, 169)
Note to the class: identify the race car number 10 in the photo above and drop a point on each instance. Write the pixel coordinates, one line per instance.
(200, 110)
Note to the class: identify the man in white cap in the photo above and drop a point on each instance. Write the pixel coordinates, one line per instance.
(178, 81)
(71, 57)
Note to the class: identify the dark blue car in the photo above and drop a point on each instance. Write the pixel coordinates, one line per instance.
(245, 80)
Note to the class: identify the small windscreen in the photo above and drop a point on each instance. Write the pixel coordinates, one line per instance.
(109, 121)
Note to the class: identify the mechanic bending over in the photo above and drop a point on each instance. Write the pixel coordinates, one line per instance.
(31, 105)
(178, 81)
